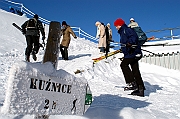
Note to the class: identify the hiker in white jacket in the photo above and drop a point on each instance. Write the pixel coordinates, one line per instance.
(133, 23)
(102, 36)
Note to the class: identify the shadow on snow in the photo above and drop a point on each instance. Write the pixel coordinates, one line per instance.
(150, 88)
(76, 56)
(109, 106)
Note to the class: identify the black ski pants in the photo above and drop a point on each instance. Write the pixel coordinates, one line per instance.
(32, 44)
(107, 47)
(130, 69)
(64, 52)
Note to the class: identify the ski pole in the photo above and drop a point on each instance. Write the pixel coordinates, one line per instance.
(151, 52)
(113, 46)
(124, 45)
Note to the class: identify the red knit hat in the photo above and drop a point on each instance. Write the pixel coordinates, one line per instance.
(119, 22)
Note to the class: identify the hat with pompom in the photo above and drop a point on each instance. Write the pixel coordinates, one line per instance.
(119, 22)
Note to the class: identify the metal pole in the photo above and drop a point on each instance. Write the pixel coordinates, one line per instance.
(21, 7)
(172, 34)
(79, 31)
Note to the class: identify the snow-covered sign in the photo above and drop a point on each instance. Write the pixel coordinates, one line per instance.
(35, 88)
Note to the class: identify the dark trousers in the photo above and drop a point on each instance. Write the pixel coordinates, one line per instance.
(102, 49)
(107, 48)
(132, 74)
(32, 44)
(64, 52)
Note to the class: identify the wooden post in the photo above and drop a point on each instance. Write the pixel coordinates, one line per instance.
(53, 42)
(52, 51)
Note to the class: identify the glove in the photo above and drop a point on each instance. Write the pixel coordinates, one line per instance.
(138, 56)
(24, 31)
(128, 45)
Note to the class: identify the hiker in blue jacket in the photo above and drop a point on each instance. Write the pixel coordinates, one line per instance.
(132, 54)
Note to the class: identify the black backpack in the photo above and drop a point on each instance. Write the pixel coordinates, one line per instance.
(141, 35)
(32, 23)
(107, 32)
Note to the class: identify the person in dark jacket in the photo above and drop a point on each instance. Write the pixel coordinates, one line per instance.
(66, 31)
(31, 29)
(11, 9)
(108, 37)
(19, 12)
(132, 53)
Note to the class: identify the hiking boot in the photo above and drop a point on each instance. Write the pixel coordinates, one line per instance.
(66, 59)
(131, 86)
(139, 92)
(34, 56)
(121, 58)
(27, 58)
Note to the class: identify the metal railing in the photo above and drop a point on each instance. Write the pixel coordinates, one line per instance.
(4, 4)
(82, 33)
(169, 29)
(168, 60)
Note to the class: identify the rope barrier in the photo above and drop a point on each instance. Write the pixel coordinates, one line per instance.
(162, 30)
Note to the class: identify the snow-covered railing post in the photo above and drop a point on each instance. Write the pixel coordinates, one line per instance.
(171, 30)
(21, 7)
(79, 31)
(178, 59)
(170, 61)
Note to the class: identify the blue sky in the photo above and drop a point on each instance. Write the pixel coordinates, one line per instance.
(150, 14)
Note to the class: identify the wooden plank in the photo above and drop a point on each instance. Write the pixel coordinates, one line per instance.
(53, 43)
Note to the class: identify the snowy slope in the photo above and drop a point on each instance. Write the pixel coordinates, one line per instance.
(105, 78)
